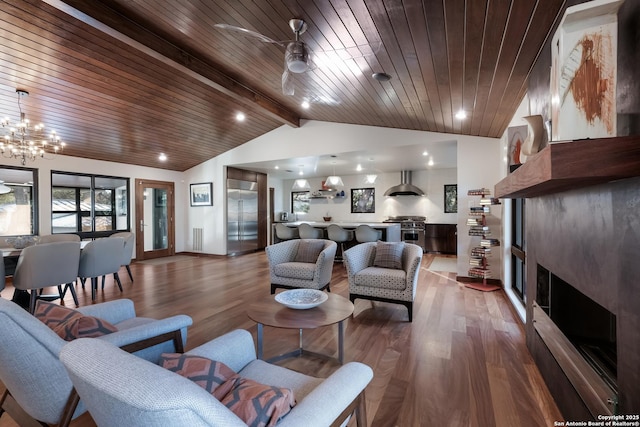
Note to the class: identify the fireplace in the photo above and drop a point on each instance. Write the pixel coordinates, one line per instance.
(589, 326)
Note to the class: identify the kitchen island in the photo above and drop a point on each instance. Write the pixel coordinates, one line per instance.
(390, 231)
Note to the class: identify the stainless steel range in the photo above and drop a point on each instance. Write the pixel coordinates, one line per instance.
(411, 228)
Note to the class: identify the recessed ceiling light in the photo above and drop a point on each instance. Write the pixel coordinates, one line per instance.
(430, 161)
(305, 104)
(461, 115)
(359, 167)
(381, 77)
(162, 157)
(425, 153)
(277, 167)
(240, 117)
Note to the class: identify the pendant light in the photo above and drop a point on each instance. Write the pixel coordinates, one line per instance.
(334, 180)
(3, 188)
(301, 184)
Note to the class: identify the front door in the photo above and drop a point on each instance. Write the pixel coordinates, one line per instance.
(155, 211)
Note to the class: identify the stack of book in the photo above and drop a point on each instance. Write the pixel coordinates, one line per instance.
(477, 261)
(479, 272)
(479, 230)
(489, 201)
(480, 251)
(489, 242)
(474, 221)
(479, 192)
(478, 210)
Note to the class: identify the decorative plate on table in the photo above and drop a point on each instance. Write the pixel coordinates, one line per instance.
(301, 299)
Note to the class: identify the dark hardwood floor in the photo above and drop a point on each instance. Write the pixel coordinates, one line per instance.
(462, 362)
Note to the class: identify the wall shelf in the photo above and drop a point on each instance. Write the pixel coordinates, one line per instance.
(563, 166)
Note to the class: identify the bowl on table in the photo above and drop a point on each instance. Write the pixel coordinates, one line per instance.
(301, 299)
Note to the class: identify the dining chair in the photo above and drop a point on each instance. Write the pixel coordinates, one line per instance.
(48, 264)
(366, 233)
(127, 253)
(340, 236)
(307, 231)
(62, 237)
(99, 258)
(286, 233)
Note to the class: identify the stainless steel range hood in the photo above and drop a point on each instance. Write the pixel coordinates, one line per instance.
(405, 188)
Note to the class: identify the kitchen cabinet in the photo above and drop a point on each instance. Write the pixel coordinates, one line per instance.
(441, 238)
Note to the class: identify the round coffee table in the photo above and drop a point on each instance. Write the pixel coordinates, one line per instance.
(271, 313)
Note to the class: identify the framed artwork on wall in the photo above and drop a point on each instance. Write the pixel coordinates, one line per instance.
(363, 200)
(450, 198)
(201, 194)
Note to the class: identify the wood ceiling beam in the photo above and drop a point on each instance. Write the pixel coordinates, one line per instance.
(109, 22)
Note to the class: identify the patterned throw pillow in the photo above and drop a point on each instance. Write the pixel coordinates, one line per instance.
(258, 405)
(308, 250)
(389, 255)
(70, 324)
(211, 375)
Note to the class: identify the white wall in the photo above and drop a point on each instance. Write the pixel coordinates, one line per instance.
(432, 205)
(314, 138)
(99, 167)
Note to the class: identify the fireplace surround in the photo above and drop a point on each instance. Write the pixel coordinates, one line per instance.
(583, 225)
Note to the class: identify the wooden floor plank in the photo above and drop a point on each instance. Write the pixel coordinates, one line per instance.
(461, 362)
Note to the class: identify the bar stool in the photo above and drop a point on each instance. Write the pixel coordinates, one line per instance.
(286, 233)
(340, 236)
(308, 232)
(366, 233)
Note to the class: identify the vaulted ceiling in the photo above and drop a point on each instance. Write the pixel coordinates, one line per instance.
(123, 80)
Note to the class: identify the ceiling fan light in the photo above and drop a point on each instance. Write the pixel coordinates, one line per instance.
(297, 57)
(334, 181)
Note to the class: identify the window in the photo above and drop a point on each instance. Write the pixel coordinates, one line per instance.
(18, 201)
(89, 205)
(518, 255)
(300, 202)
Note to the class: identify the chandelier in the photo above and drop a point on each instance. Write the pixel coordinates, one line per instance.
(24, 141)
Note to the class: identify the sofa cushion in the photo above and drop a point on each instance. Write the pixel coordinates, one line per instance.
(309, 250)
(295, 270)
(384, 278)
(70, 324)
(255, 403)
(389, 255)
(211, 375)
(258, 404)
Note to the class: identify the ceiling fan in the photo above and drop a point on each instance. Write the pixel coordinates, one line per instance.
(298, 57)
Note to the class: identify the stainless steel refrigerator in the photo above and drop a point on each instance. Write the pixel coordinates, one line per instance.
(242, 216)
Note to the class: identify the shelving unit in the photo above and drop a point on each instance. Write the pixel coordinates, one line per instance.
(478, 228)
(326, 194)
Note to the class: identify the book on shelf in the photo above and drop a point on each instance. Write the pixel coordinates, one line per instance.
(489, 242)
(479, 232)
(479, 192)
(474, 221)
(489, 201)
(479, 272)
(480, 251)
(479, 210)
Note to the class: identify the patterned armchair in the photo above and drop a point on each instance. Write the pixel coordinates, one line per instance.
(301, 263)
(377, 276)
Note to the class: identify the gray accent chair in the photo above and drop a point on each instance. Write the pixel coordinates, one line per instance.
(99, 258)
(286, 273)
(119, 389)
(383, 284)
(307, 231)
(33, 374)
(48, 264)
(127, 254)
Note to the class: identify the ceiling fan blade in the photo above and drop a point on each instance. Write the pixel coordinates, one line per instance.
(248, 33)
(287, 83)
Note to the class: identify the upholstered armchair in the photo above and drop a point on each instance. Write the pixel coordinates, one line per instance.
(388, 277)
(301, 263)
(119, 389)
(34, 376)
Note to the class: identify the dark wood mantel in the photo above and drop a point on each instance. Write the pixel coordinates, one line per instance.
(568, 165)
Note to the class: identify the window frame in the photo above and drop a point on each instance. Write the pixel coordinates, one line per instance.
(92, 213)
(35, 222)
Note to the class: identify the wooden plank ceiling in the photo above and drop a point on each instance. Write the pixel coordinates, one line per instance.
(124, 80)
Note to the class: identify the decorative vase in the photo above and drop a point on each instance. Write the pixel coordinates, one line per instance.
(535, 129)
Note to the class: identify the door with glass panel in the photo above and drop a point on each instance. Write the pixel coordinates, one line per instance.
(155, 228)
